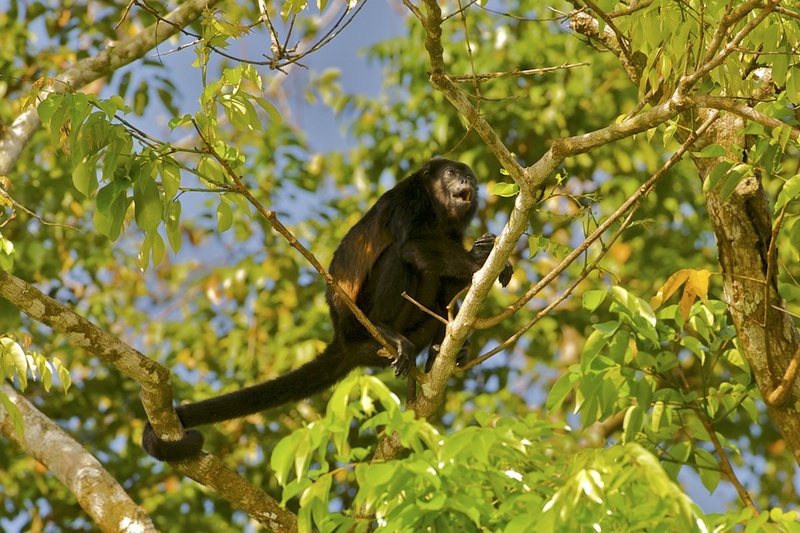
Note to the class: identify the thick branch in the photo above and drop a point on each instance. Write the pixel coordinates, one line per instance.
(737, 107)
(97, 492)
(156, 397)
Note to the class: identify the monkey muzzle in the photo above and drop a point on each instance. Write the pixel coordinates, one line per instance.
(463, 196)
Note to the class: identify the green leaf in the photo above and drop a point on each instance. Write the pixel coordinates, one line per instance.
(105, 197)
(271, 110)
(316, 499)
(84, 176)
(102, 222)
(782, 135)
(789, 191)
(141, 98)
(152, 247)
(633, 423)
(224, 216)
(712, 150)
(505, 190)
(293, 488)
(591, 300)
(619, 348)
(379, 474)
(608, 328)
(710, 475)
(717, 173)
(240, 112)
(302, 453)
(455, 444)
(644, 394)
(14, 361)
(147, 204)
(180, 121)
(170, 178)
(63, 374)
(158, 249)
(173, 225)
(656, 414)
(669, 131)
(282, 457)
(47, 109)
(596, 341)
(241, 202)
(117, 214)
(793, 85)
(678, 455)
(560, 390)
(14, 415)
(736, 175)
(780, 66)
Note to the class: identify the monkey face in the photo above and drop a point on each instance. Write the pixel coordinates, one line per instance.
(456, 188)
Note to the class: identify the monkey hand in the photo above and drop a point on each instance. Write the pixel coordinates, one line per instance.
(505, 275)
(433, 353)
(480, 250)
(483, 246)
(406, 352)
(172, 450)
(406, 356)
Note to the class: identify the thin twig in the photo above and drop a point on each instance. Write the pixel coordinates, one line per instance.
(621, 39)
(514, 73)
(597, 233)
(30, 213)
(423, 308)
(725, 463)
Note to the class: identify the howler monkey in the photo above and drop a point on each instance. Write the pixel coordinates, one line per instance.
(410, 241)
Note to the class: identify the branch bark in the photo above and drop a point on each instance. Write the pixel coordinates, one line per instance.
(768, 338)
(157, 395)
(97, 492)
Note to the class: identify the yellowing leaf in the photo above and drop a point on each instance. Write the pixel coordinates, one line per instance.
(698, 279)
(669, 288)
(696, 287)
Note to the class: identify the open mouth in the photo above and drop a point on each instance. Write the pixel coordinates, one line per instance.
(464, 195)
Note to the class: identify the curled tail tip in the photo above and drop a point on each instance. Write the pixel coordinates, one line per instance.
(165, 450)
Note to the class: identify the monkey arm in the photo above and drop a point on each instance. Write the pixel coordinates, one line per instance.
(447, 258)
(443, 258)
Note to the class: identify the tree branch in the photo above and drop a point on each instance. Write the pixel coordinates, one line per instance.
(117, 55)
(97, 492)
(156, 385)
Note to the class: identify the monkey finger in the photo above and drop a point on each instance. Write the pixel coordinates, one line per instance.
(401, 367)
(485, 240)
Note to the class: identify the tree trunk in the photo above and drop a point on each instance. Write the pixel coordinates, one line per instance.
(743, 227)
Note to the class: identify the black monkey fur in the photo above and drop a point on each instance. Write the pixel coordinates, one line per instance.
(411, 240)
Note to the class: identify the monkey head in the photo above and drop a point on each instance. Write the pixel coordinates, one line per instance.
(455, 188)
